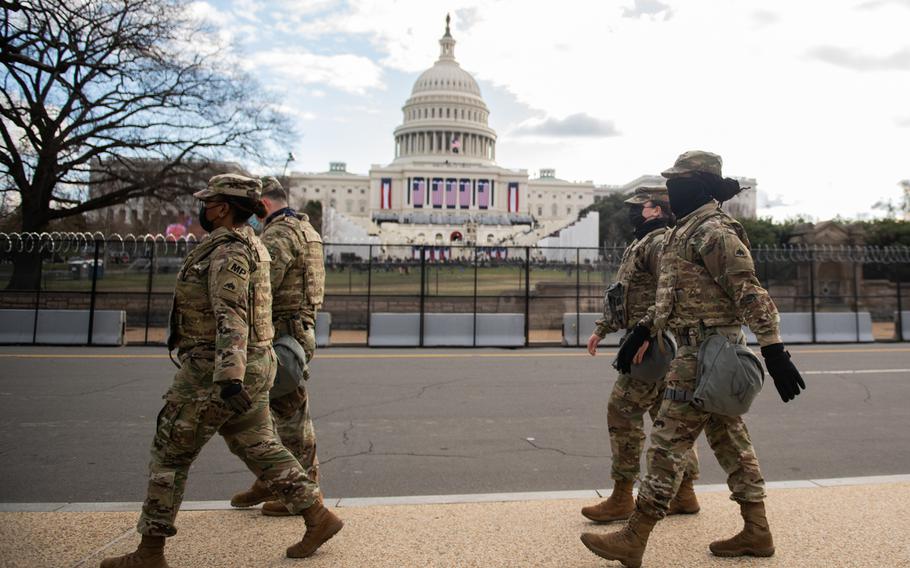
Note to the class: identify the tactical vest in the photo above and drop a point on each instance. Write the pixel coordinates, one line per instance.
(192, 321)
(640, 286)
(303, 288)
(687, 295)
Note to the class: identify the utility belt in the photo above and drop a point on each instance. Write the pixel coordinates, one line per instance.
(694, 336)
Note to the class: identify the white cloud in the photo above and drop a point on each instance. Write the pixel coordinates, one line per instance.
(346, 72)
(578, 125)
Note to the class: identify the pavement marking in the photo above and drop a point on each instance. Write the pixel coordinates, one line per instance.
(857, 372)
(127, 533)
(373, 356)
(126, 506)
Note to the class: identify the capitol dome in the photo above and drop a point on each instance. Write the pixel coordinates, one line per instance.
(445, 116)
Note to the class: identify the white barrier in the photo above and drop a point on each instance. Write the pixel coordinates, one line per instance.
(62, 327)
(586, 323)
(323, 329)
(446, 330)
(830, 327)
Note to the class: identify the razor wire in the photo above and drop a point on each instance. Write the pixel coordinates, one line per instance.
(143, 245)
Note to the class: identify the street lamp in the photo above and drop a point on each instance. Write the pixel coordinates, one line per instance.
(288, 161)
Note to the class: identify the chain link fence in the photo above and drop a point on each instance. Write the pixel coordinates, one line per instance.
(546, 286)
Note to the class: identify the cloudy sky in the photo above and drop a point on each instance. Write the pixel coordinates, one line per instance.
(811, 98)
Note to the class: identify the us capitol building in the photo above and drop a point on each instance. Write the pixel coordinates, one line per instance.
(444, 186)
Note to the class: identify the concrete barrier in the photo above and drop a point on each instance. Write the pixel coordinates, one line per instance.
(446, 330)
(323, 329)
(830, 327)
(394, 330)
(62, 327)
(905, 321)
(586, 321)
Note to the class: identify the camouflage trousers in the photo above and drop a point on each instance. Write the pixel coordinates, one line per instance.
(629, 402)
(291, 414)
(184, 426)
(675, 429)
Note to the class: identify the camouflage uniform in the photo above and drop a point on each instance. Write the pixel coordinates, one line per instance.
(707, 286)
(221, 326)
(298, 281)
(632, 398)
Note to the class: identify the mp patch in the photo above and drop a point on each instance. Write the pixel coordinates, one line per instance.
(237, 269)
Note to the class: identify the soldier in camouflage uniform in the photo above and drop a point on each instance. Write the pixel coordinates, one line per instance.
(221, 326)
(649, 213)
(707, 286)
(298, 282)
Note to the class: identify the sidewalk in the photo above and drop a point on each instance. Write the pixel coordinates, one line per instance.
(833, 526)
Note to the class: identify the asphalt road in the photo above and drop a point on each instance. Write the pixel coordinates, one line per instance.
(76, 423)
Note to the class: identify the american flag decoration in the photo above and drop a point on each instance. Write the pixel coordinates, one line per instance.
(385, 193)
(483, 195)
(456, 145)
(513, 197)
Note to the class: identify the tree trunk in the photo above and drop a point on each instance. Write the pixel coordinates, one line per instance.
(27, 265)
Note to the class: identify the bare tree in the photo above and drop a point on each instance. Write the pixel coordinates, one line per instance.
(125, 93)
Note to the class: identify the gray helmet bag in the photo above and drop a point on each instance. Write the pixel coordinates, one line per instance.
(292, 366)
(655, 364)
(729, 377)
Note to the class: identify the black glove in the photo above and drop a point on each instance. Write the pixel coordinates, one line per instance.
(629, 347)
(783, 371)
(236, 397)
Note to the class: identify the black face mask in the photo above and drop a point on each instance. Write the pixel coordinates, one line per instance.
(650, 225)
(687, 194)
(635, 217)
(207, 226)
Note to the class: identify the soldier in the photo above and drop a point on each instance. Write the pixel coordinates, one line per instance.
(649, 213)
(298, 283)
(221, 326)
(707, 287)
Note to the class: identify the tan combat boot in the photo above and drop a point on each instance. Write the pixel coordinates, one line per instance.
(626, 545)
(755, 538)
(258, 493)
(275, 509)
(684, 503)
(321, 525)
(618, 507)
(149, 554)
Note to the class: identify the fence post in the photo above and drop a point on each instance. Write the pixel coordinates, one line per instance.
(369, 290)
(423, 272)
(527, 296)
(577, 296)
(856, 300)
(812, 292)
(474, 324)
(900, 306)
(91, 309)
(38, 296)
(148, 295)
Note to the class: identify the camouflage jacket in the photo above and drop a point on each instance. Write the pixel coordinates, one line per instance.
(638, 273)
(708, 279)
(297, 271)
(222, 302)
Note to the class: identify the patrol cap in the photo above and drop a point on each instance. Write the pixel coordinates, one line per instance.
(695, 161)
(270, 183)
(231, 185)
(643, 194)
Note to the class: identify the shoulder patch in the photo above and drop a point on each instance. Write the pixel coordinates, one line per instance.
(740, 252)
(230, 286)
(237, 269)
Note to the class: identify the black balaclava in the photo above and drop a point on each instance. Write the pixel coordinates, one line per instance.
(651, 225)
(635, 217)
(687, 194)
(207, 226)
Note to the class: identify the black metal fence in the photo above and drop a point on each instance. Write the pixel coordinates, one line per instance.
(82, 271)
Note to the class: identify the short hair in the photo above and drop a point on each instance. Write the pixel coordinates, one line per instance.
(276, 193)
(664, 209)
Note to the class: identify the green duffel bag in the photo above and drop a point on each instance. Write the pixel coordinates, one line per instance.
(730, 376)
(656, 362)
(292, 366)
